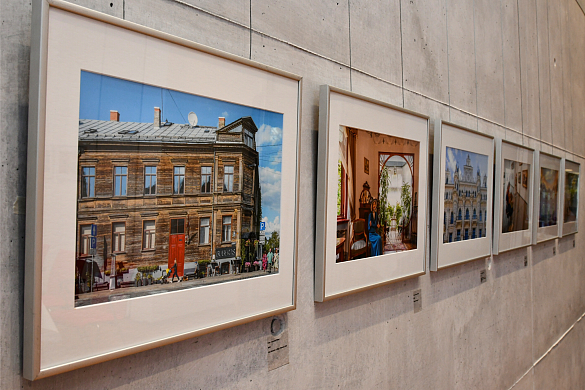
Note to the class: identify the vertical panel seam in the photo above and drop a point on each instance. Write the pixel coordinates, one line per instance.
(349, 32)
(475, 62)
(448, 58)
(503, 63)
(538, 67)
(401, 51)
(520, 68)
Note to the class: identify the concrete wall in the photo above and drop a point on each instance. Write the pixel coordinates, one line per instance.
(511, 68)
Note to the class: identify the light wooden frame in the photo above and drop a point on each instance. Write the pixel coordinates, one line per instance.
(452, 253)
(503, 242)
(338, 107)
(569, 227)
(65, 38)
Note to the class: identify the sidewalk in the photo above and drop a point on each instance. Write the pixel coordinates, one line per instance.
(133, 292)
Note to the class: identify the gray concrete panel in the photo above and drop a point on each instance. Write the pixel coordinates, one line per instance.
(513, 136)
(462, 119)
(236, 10)
(110, 7)
(375, 38)
(567, 98)
(577, 37)
(526, 383)
(543, 70)
(424, 47)
(376, 89)
(511, 64)
(322, 27)
(529, 68)
(186, 22)
(557, 69)
(562, 368)
(489, 61)
(418, 103)
(461, 43)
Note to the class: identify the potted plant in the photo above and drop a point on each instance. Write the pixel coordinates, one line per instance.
(406, 200)
(247, 266)
(398, 213)
(256, 265)
(138, 280)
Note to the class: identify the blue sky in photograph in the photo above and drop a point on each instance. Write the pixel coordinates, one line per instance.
(459, 157)
(135, 102)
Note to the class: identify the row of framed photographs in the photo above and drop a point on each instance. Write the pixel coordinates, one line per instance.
(162, 202)
(488, 195)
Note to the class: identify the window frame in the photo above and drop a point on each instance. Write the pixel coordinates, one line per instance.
(223, 228)
(114, 234)
(83, 180)
(209, 184)
(208, 226)
(225, 175)
(176, 191)
(81, 241)
(121, 176)
(153, 235)
(150, 175)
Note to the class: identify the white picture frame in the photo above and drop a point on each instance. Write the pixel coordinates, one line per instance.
(522, 161)
(546, 221)
(452, 239)
(570, 214)
(66, 39)
(338, 110)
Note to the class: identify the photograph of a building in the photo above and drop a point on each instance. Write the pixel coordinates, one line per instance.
(549, 188)
(377, 203)
(516, 193)
(465, 213)
(162, 202)
(571, 196)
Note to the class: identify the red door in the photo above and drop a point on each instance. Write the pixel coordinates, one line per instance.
(177, 245)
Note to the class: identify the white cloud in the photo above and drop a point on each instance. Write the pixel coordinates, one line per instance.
(451, 161)
(277, 160)
(225, 114)
(270, 187)
(268, 135)
(271, 226)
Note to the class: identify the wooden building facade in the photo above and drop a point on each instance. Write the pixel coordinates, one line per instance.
(163, 192)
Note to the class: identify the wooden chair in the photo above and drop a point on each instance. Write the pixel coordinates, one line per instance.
(359, 244)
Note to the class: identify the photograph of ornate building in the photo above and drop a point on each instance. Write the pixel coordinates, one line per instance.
(161, 201)
(465, 215)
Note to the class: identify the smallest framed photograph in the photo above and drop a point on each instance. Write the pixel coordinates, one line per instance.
(462, 195)
(547, 197)
(513, 197)
(570, 199)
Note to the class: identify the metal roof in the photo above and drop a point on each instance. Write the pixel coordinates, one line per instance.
(98, 130)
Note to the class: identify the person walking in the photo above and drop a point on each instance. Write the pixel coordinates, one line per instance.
(275, 260)
(264, 261)
(269, 258)
(174, 273)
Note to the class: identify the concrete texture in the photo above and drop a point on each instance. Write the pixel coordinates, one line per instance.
(488, 66)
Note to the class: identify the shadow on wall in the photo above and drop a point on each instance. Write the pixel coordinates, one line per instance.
(510, 261)
(454, 280)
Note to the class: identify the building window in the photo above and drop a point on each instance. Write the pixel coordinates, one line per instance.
(473, 233)
(474, 214)
(204, 230)
(249, 139)
(226, 229)
(118, 237)
(178, 226)
(450, 237)
(458, 235)
(87, 182)
(459, 215)
(120, 181)
(148, 236)
(451, 216)
(445, 218)
(84, 240)
(206, 180)
(178, 180)
(149, 180)
(466, 214)
(466, 234)
(480, 233)
(228, 178)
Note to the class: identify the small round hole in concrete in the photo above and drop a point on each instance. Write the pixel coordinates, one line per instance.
(276, 326)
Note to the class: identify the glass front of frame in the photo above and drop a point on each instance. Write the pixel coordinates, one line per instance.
(175, 191)
(465, 189)
(549, 188)
(376, 208)
(571, 197)
(515, 213)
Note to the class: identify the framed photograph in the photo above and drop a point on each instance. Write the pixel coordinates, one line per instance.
(156, 206)
(547, 197)
(570, 199)
(370, 228)
(366, 166)
(513, 197)
(462, 195)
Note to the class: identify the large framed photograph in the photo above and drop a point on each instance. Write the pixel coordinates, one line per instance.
(462, 195)
(513, 196)
(570, 198)
(370, 227)
(156, 207)
(547, 197)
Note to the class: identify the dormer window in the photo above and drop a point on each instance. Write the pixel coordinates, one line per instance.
(249, 139)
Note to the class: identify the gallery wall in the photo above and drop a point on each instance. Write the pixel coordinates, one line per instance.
(514, 69)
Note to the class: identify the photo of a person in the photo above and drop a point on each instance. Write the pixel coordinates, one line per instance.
(373, 226)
